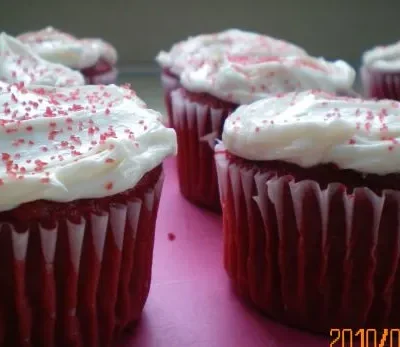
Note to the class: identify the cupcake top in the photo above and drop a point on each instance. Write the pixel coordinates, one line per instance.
(243, 79)
(18, 63)
(189, 53)
(313, 127)
(63, 144)
(385, 58)
(58, 47)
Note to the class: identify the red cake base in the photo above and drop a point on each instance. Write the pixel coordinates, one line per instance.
(101, 73)
(77, 273)
(308, 252)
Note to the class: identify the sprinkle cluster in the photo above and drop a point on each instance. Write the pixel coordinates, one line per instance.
(315, 127)
(19, 63)
(65, 144)
(243, 79)
(192, 52)
(68, 119)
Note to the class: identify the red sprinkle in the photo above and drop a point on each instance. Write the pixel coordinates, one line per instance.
(108, 185)
(5, 156)
(171, 236)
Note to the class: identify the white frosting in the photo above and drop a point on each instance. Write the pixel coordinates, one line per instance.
(233, 41)
(311, 128)
(58, 47)
(242, 79)
(385, 58)
(18, 63)
(63, 144)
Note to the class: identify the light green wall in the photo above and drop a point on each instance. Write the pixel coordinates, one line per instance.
(139, 28)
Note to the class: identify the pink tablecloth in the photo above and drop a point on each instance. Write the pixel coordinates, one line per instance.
(191, 303)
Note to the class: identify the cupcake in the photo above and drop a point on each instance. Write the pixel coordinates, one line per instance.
(380, 72)
(80, 184)
(94, 58)
(19, 64)
(213, 89)
(310, 191)
(189, 53)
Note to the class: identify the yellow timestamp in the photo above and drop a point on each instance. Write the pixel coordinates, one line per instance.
(365, 337)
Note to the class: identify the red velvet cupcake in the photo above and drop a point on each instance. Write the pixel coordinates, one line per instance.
(310, 190)
(80, 183)
(213, 89)
(94, 58)
(380, 72)
(191, 52)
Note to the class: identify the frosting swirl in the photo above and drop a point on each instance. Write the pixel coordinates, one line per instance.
(188, 53)
(19, 64)
(385, 58)
(244, 79)
(58, 47)
(311, 128)
(62, 144)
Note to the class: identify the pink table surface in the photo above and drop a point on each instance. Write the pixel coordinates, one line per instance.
(191, 303)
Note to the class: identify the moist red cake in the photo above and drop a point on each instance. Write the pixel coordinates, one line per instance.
(79, 194)
(310, 190)
(101, 73)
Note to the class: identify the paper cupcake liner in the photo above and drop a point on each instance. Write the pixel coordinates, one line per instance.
(81, 281)
(197, 127)
(310, 257)
(380, 85)
(169, 83)
(109, 77)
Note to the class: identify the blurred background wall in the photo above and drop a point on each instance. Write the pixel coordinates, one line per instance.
(140, 28)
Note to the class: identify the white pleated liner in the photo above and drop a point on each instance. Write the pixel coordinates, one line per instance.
(387, 84)
(198, 127)
(169, 83)
(112, 237)
(298, 261)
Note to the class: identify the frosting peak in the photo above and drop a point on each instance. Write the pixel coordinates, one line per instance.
(59, 47)
(311, 128)
(243, 79)
(233, 41)
(386, 58)
(63, 144)
(18, 63)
